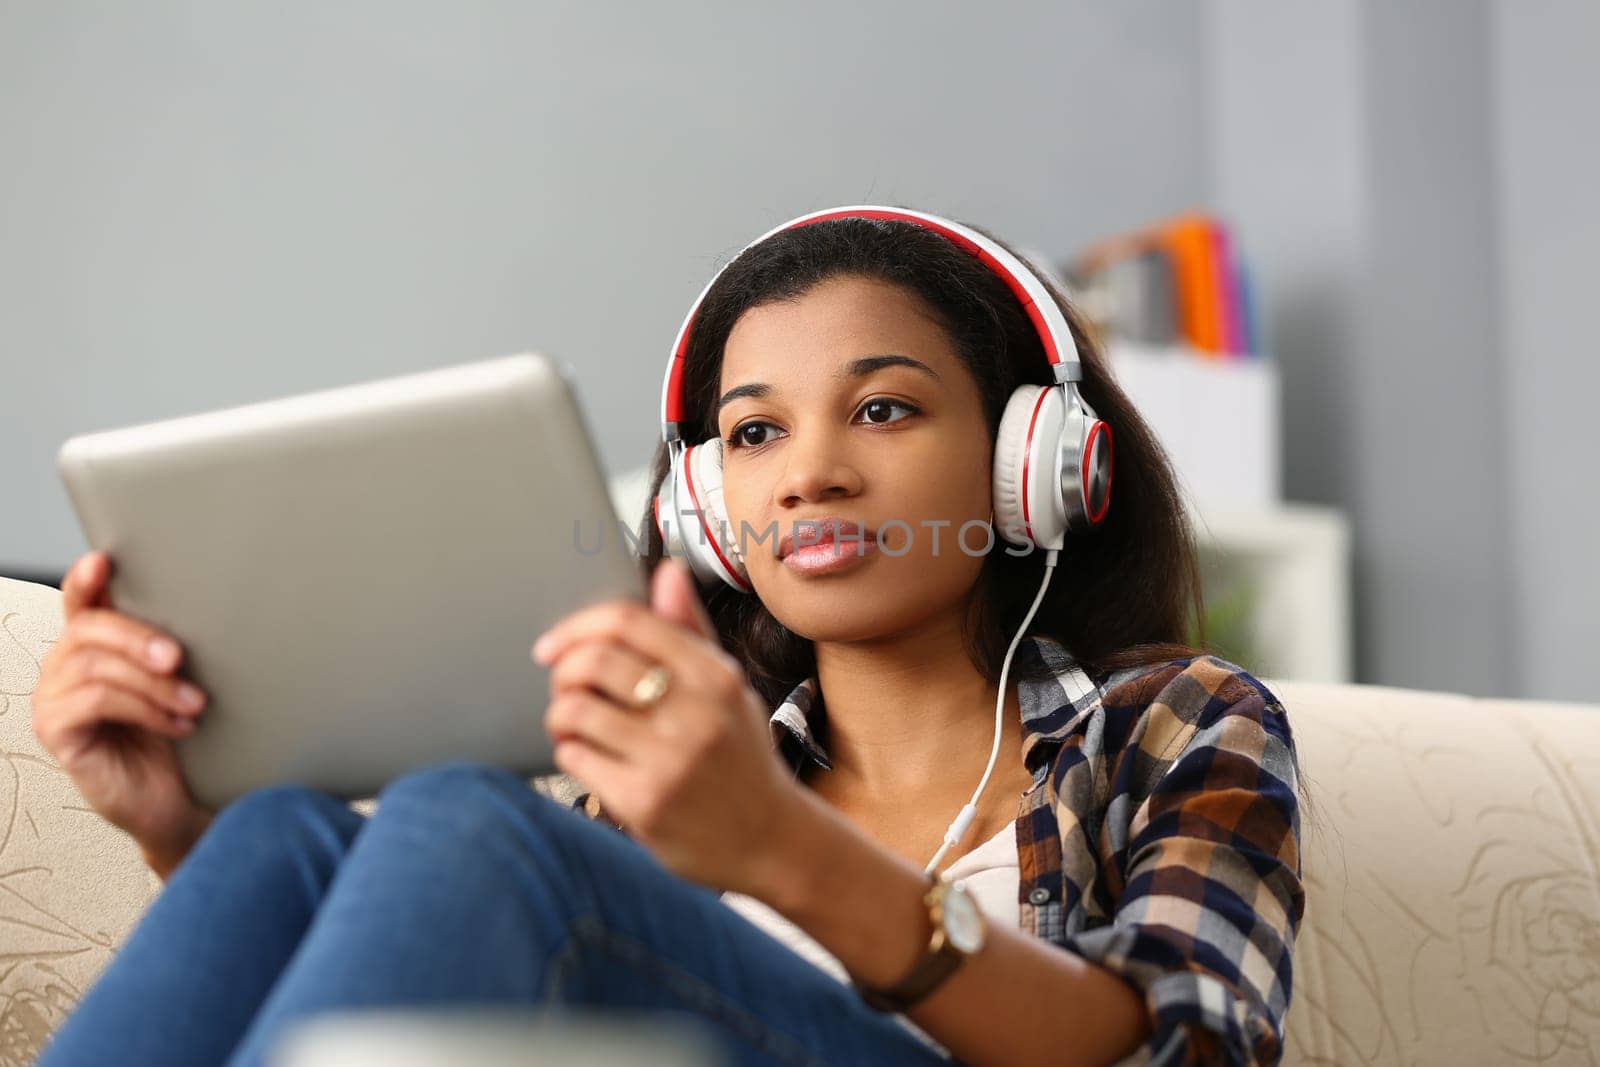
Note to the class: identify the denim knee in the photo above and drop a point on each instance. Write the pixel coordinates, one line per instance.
(287, 818)
(451, 780)
(467, 804)
(279, 806)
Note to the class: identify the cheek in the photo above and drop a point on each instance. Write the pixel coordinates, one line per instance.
(952, 484)
(741, 499)
(736, 498)
(954, 490)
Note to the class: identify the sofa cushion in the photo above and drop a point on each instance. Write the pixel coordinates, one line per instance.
(71, 885)
(1452, 867)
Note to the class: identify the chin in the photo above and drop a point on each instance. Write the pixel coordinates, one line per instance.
(861, 606)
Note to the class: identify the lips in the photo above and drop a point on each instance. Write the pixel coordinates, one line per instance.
(822, 532)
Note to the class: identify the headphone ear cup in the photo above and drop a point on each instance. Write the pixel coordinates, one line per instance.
(1097, 467)
(1008, 445)
(699, 534)
(669, 525)
(1086, 466)
(1027, 475)
(708, 477)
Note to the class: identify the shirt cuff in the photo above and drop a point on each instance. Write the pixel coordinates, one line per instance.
(1195, 1017)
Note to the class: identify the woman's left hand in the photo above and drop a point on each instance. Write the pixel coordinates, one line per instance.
(693, 776)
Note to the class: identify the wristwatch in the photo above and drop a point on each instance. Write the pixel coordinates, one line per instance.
(958, 932)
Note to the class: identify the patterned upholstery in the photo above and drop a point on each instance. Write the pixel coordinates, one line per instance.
(1452, 863)
(70, 884)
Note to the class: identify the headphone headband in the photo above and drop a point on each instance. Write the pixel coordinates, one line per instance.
(1042, 310)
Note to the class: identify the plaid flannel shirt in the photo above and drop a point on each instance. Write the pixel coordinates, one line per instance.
(1160, 840)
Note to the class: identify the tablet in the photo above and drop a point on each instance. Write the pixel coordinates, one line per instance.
(357, 575)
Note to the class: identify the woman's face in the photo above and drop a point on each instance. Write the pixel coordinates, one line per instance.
(850, 403)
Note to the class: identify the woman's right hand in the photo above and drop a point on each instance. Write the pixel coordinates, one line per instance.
(108, 706)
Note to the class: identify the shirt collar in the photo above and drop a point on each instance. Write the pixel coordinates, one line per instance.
(792, 726)
(1052, 708)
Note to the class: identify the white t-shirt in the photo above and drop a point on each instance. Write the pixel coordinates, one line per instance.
(991, 875)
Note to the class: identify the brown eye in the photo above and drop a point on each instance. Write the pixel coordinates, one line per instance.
(749, 435)
(877, 411)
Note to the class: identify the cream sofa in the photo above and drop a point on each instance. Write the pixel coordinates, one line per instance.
(1452, 865)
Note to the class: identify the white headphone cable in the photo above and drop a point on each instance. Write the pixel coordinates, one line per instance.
(958, 829)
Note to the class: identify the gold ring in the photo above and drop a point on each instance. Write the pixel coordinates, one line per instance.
(652, 687)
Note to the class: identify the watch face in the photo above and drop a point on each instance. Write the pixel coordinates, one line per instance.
(963, 924)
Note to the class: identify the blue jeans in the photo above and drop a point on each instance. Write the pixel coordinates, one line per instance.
(465, 888)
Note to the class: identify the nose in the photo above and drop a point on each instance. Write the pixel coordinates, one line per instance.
(817, 468)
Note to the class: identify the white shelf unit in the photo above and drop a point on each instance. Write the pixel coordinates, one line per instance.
(1292, 564)
(1284, 569)
(1217, 418)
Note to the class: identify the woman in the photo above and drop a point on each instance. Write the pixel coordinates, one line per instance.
(1128, 888)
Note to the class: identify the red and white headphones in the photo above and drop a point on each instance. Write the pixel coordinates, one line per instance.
(1052, 456)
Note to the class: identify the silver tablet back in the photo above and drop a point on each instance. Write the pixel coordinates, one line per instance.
(358, 574)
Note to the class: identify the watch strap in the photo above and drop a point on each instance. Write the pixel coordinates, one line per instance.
(933, 968)
(924, 978)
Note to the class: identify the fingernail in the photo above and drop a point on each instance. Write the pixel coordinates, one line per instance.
(541, 648)
(190, 696)
(162, 653)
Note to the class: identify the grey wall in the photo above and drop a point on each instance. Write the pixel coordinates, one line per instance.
(1433, 563)
(207, 204)
(1416, 184)
(1546, 87)
(1289, 166)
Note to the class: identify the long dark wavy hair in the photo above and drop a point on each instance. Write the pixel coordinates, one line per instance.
(1125, 594)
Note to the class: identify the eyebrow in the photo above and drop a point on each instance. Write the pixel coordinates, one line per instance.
(856, 368)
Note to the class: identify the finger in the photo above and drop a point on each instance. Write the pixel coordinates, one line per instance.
(93, 663)
(610, 777)
(621, 733)
(85, 582)
(101, 702)
(635, 626)
(673, 596)
(609, 669)
(104, 628)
